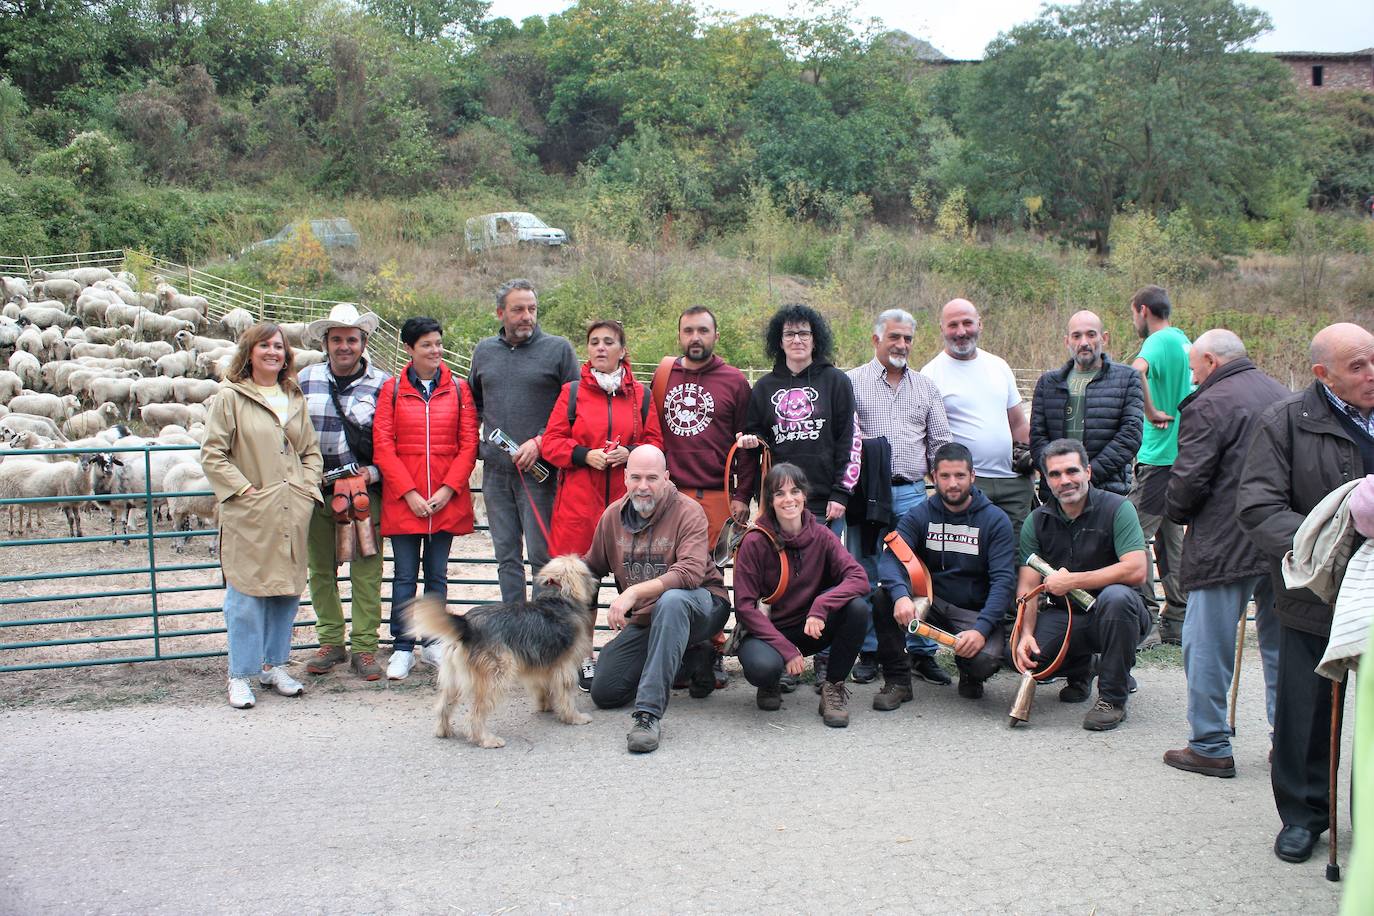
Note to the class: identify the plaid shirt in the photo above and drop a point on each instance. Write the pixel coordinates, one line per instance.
(1352, 413)
(911, 416)
(358, 399)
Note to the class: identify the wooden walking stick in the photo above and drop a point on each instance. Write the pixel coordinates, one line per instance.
(1333, 869)
(1235, 670)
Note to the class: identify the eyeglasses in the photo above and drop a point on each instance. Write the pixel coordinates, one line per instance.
(796, 335)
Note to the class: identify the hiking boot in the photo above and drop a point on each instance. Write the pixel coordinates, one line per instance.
(1193, 762)
(364, 664)
(325, 658)
(892, 696)
(283, 683)
(835, 705)
(585, 674)
(718, 671)
(643, 735)
(769, 699)
(398, 669)
(1075, 691)
(865, 670)
(241, 693)
(970, 688)
(1104, 716)
(701, 680)
(788, 683)
(928, 669)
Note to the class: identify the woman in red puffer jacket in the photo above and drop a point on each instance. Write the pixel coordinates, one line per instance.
(424, 441)
(613, 416)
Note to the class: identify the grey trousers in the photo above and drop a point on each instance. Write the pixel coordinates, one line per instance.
(639, 664)
(510, 516)
(1013, 495)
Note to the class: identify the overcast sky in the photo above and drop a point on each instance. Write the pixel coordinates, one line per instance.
(963, 30)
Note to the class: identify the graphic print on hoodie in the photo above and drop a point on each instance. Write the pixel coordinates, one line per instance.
(703, 409)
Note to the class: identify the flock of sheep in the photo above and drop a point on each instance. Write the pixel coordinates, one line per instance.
(87, 354)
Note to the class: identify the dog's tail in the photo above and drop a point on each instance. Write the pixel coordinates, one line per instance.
(430, 619)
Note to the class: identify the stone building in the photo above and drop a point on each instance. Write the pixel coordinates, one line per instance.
(1316, 71)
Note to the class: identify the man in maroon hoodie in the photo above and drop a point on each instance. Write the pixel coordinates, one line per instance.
(702, 411)
(653, 541)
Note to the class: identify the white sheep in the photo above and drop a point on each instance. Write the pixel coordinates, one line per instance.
(185, 340)
(153, 349)
(93, 303)
(60, 288)
(104, 351)
(55, 344)
(108, 335)
(21, 479)
(30, 340)
(189, 478)
(27, 367)
(45, 315)
(170, 299)
(235, 322)
(14, 288)
(118, 391)
(9, 332)
(123, 314)
(215, 364)
(305, 358)
(192, 317)
(18, 422)
(155, 390)
(294, 332)
(182, 362)
(10, 385)
(90, 422)
(55, 407)
(86, 276)
(193, 390)
(128, 478)
(152, 326)
(160, 415)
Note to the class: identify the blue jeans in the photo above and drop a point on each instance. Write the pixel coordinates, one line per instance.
(903, 498)
(1209, 657)
(259, 630)
(406, 549)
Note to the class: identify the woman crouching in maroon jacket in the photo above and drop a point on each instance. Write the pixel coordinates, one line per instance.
(825, 604)
(424, 440)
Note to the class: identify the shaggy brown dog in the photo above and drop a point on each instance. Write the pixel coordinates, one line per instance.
(540, 642)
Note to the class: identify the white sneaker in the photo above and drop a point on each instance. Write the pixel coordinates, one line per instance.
(586, 674)
(241, 693)
(432, 655)
(399, 666)
(280, 681)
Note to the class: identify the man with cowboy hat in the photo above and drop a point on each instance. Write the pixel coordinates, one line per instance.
(341, 393)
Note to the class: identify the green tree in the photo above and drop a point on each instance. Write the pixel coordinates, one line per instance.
(1152, 102)
(426, 20)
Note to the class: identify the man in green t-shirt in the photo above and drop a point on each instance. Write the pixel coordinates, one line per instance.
(1069, 533)
(1164, 374)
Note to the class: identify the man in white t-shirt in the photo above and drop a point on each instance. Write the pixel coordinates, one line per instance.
(984, 409)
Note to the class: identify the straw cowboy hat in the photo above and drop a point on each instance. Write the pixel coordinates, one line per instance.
(343, 315)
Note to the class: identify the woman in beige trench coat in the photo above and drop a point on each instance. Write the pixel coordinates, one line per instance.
(262, 458)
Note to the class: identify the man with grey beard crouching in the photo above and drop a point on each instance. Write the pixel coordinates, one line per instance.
(671, 596)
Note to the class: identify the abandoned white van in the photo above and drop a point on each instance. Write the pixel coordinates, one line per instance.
(494, 230)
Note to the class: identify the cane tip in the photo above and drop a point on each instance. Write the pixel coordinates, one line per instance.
(1333, 873)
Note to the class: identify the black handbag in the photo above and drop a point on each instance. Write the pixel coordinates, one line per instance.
(359, 439)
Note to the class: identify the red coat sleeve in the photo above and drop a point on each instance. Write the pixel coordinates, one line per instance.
(460, 470)
(558, 443)
(395, 477)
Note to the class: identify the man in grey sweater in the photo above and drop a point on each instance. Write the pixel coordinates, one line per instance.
(516, 377)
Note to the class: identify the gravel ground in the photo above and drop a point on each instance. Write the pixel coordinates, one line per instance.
(343, 801)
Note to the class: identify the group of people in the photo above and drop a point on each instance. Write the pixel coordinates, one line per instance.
(651, 481)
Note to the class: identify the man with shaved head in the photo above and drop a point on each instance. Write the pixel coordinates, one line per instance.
(1306, 446)
(1093, 399)
(653, 541)
(985, 411)
(1222, 569)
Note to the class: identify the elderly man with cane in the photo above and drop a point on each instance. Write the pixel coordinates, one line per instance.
(1306, 446)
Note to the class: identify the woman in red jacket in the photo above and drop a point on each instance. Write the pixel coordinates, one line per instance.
(424, 441)
(591, 442)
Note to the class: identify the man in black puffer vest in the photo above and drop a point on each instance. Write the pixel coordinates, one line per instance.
(1092, 540)
(1094, 400)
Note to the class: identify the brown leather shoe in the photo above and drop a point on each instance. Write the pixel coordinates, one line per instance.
(325, 658)
(834, 708)
(1188, 759)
